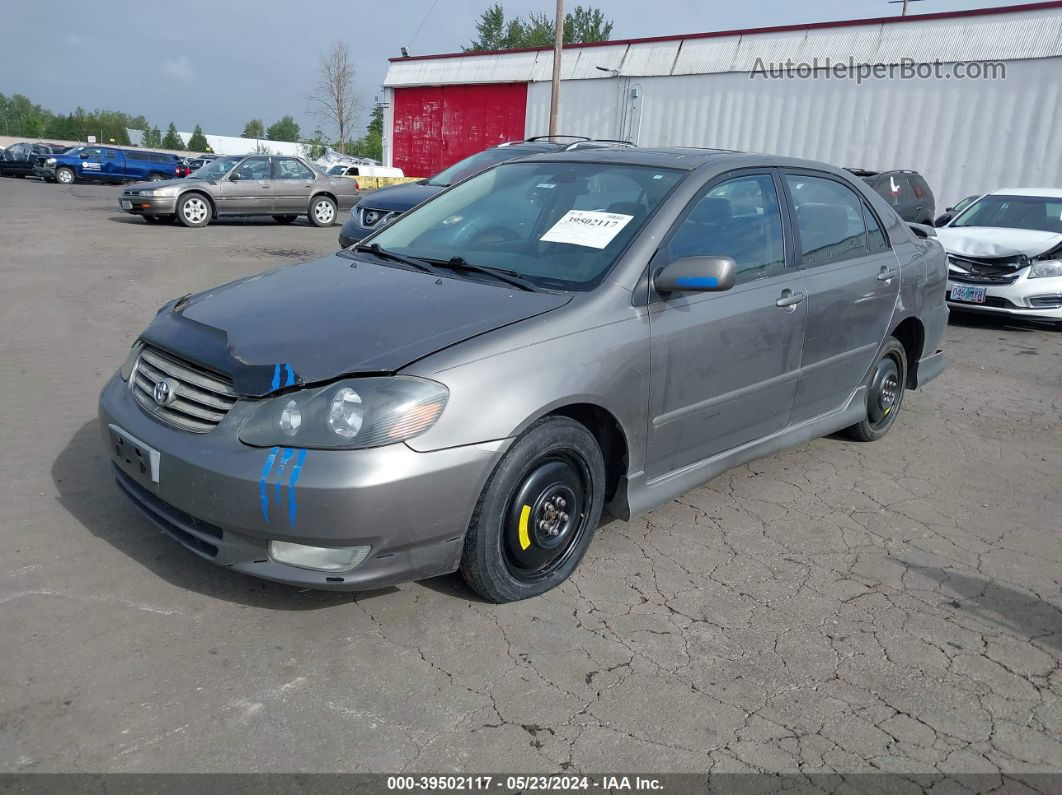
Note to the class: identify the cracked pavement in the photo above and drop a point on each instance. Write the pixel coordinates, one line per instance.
(841, 607)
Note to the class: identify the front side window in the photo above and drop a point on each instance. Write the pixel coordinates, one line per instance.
(110, 154)
(290, 168)
(254, 168)
(559, 225)
(740, 218)
(829, 220)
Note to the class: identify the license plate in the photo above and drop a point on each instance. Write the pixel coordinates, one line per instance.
(970, 295)
(134, 457)
(127, 205)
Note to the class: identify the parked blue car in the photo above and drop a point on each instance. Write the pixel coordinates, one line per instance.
(106, 164)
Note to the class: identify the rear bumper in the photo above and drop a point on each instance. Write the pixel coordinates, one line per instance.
(225, 501)
(928, 368)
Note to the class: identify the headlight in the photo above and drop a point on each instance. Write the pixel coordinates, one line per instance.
(1045, 268)
(50, 160)
(127, 367)
(352, 414)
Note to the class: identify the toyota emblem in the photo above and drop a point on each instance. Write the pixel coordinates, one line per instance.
(165, 392)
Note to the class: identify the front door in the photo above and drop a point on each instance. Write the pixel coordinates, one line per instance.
(853, 278)
(724, 366)
(251, 192)
(91, 163)
(292, 185)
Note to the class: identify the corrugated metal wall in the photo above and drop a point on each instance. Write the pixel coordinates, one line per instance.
(965, 136)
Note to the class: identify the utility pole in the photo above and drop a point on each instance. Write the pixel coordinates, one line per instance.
(905, 5)
(558, 46)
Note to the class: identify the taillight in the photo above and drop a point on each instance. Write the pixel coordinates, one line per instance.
(356, 185)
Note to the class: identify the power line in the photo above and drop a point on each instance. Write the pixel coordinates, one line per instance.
(422, 22)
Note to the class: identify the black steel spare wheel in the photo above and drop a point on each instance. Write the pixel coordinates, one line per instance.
(546, 517)
(885, 390)
(537, 513)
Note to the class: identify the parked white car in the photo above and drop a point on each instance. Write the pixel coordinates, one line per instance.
(363, 170)
(1005, 254)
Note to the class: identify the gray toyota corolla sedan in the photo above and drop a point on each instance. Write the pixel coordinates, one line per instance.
(281, 187)
(471, 386)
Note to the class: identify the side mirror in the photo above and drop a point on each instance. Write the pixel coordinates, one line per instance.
(234, 176)
(696, 275)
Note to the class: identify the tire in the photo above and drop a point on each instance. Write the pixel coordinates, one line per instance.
(886, 387)
(537, 514)
(284, 219)
(65, 176)
(323, 211)
(151, 219)
(155, 177)
(194, 210)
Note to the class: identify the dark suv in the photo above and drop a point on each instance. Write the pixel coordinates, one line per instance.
(907, 192)
(385, 205)
(18, 159)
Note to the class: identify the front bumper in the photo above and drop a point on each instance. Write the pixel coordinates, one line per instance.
(351, 232)
(148, 205)
(225, 500)
(1036, 299)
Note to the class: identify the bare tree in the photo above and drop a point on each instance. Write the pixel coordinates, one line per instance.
(334, 99)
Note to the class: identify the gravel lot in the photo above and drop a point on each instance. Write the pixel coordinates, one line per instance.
(840, 607)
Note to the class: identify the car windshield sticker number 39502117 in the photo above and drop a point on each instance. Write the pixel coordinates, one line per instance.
(589, 228)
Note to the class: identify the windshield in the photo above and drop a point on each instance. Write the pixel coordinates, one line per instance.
(559, 225)
(1014, 212)
(216, 169)
(463, 169)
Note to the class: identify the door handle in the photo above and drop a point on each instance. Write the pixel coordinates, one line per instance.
(789, 299)
(264, 187)
(887, 275)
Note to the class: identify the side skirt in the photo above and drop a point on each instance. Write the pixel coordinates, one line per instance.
(643, 496)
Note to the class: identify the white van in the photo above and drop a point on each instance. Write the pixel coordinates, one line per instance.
(363, 170)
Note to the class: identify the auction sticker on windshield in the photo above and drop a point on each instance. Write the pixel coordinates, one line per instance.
(589, 228)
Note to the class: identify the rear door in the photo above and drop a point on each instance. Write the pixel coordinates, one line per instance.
(724, 366)
(251, 192)
(852, 277)
(293, 183)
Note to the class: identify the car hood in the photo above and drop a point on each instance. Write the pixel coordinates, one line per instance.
(399, 197)
(332, 317)
(991, 241)
(176, 182)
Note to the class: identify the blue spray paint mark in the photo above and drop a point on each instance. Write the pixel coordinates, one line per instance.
(697, 281)
(295, 471)
(291, 376)
(276, 378)
(262, 483)
(284, 458)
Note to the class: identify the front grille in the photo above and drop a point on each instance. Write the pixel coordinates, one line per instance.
(201, 399)
(370, 217)
(983, 271)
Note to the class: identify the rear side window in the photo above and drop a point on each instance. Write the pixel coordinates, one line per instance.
(876, 240)
(289, 168)
(740, 218)
(829, 219)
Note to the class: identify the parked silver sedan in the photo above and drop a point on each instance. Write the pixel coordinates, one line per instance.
(279, 186)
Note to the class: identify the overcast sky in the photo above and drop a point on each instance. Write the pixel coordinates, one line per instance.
(222, 62)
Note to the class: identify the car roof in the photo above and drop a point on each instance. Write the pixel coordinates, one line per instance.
(679, 157)
(1044, 193)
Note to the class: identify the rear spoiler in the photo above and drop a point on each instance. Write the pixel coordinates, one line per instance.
(923, 231)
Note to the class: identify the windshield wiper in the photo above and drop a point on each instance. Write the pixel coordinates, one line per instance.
(502, 275)
(382, 253)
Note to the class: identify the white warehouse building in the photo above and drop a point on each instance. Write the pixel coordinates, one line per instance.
(987, 115)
